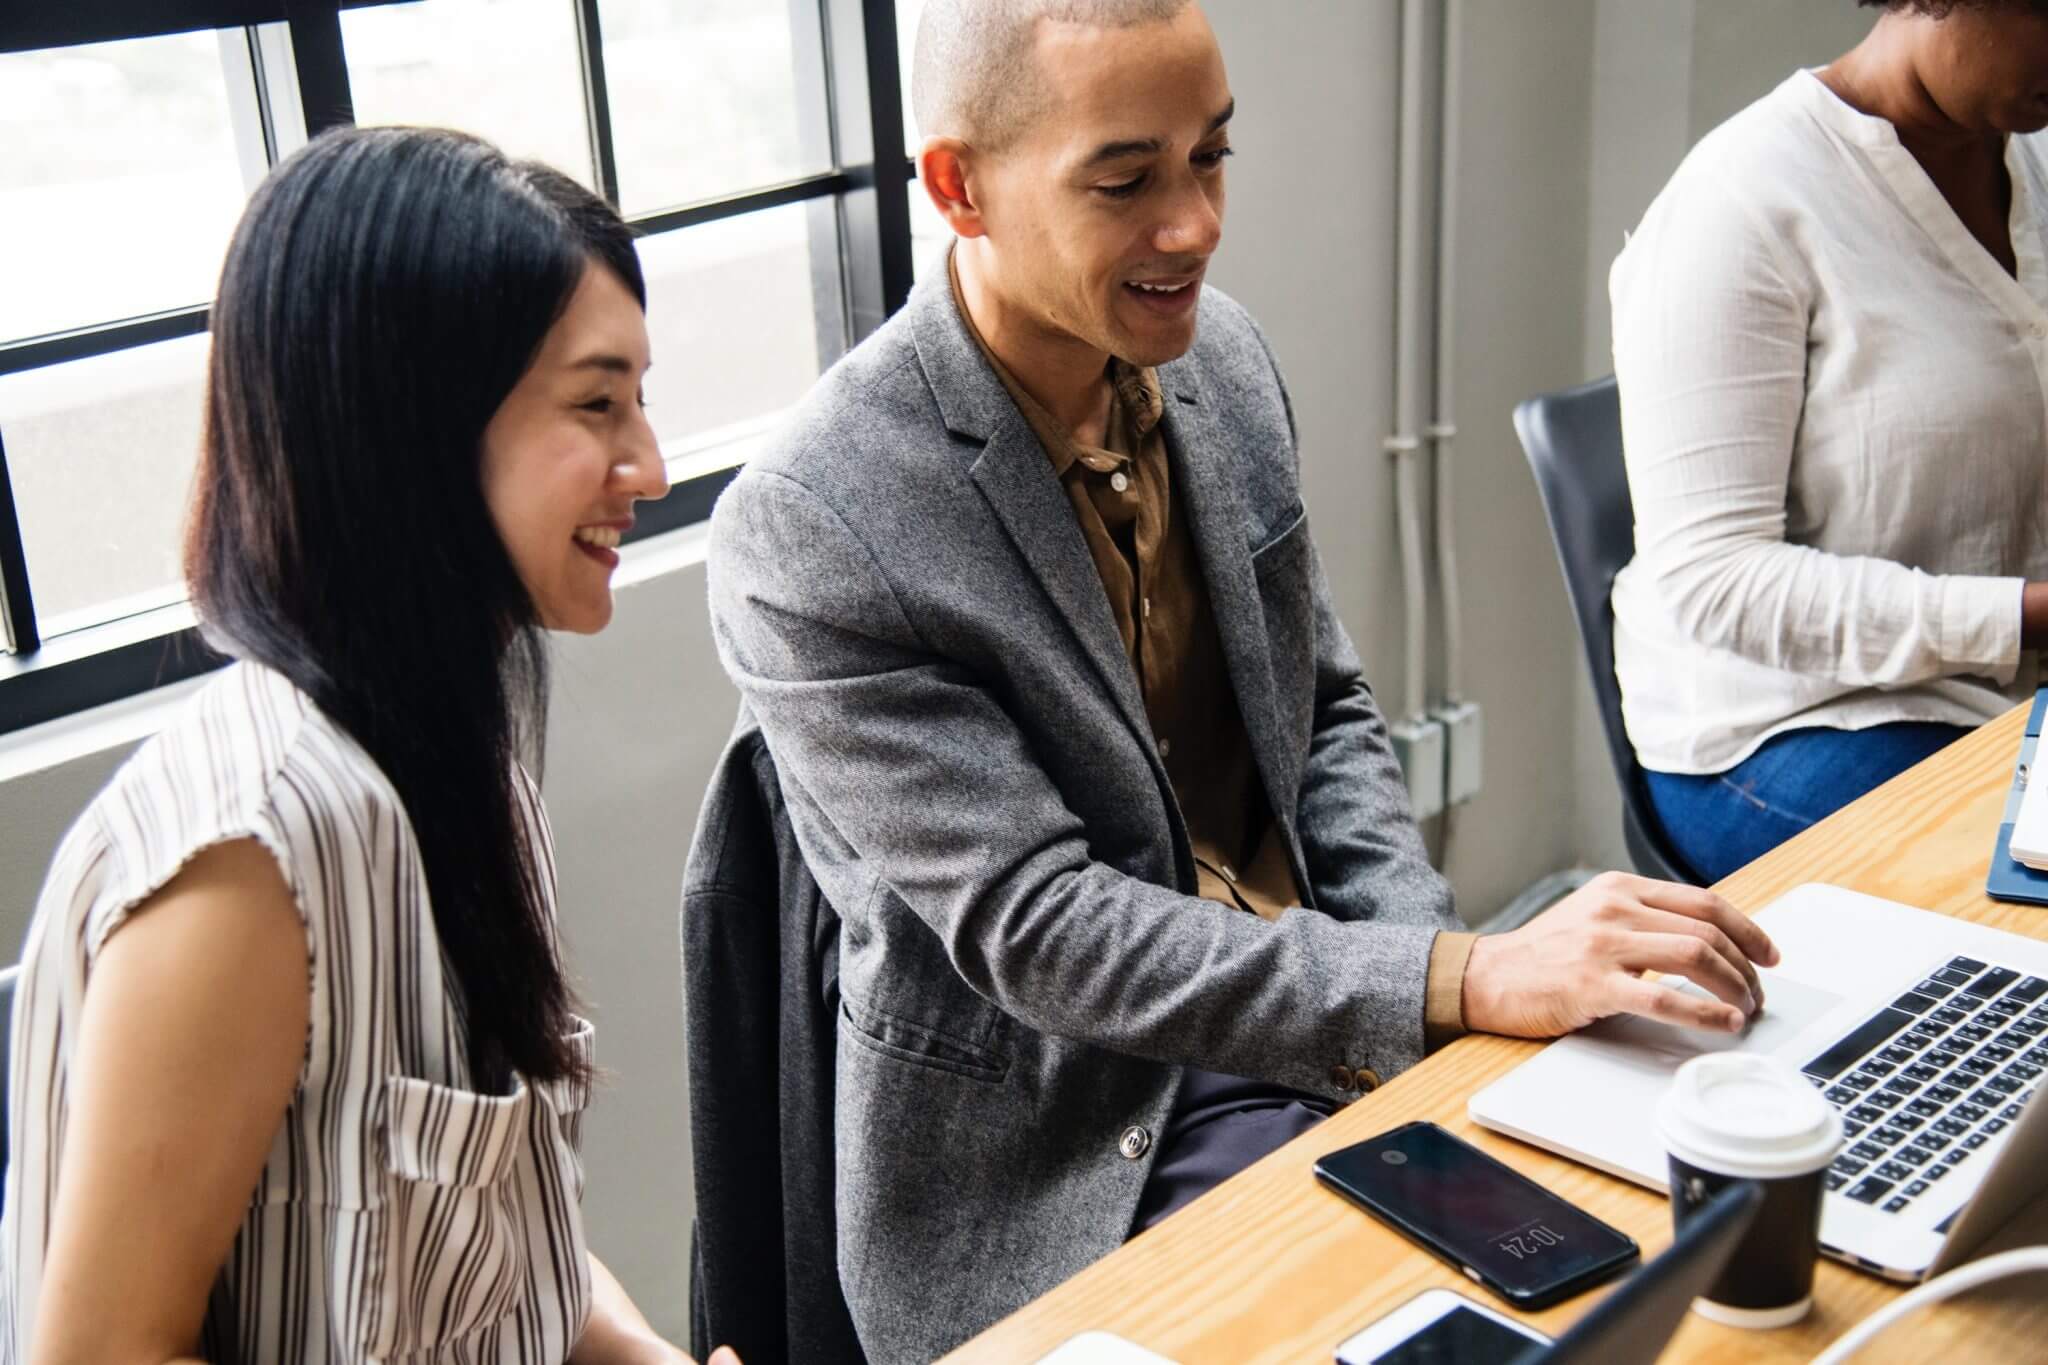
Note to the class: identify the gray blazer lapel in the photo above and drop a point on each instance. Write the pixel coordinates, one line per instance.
(1217, 518)
(1016, 477)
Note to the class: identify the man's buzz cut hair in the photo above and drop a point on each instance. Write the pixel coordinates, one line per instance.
(973, 77)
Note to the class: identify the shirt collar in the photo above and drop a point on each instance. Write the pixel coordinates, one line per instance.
(1136, 402)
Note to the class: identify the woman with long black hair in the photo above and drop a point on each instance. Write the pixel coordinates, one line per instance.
(296, 1074)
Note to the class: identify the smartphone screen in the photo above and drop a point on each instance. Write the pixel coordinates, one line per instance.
(1518, 1238)
(1459, 1337)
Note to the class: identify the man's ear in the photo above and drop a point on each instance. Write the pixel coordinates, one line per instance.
(943, 168)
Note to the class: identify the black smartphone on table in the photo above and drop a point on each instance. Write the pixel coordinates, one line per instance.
(1494, 1224)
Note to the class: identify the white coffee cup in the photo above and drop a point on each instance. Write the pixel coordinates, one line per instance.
(1733, 1116)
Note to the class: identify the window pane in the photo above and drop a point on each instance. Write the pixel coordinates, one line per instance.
(101, 454)
(730, 317)
(506, 70)
(929, 235)
(119, 181)
(907, 12)
(712, 97)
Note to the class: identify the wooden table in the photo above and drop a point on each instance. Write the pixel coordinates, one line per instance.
(1270, 1267)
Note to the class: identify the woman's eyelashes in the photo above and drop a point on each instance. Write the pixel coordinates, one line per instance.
(1210, 160)
(604, 404)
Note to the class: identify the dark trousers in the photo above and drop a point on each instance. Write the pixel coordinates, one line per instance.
(1220, 1125)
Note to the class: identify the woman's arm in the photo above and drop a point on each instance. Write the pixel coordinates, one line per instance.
(1710, 348)
(617, 1333)
(188, 1053)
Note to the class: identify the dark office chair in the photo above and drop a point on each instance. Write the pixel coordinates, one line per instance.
(761, 1007)
(1573, 440)
(7, 979)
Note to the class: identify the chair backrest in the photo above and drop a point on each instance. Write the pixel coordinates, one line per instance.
(761, 1012)
(1573, 440)
(7, 979)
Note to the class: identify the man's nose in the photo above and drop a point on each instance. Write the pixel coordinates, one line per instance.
(1194, 227)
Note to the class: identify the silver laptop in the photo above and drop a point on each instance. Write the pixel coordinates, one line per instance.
(1929, 1033)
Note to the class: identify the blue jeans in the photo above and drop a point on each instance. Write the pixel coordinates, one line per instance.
(1722, 821)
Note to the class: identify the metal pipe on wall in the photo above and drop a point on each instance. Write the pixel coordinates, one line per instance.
(1404, 443)
(1417, 736)
(1443, 429)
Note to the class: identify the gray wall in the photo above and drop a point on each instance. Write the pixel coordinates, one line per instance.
(1743, 48)
(642, 710)
(639, 716)
(1309, 248)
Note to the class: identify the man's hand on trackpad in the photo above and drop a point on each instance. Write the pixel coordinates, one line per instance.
(1585, 958)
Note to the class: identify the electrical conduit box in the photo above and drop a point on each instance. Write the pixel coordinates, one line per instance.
(1462, 741)
(1419, 747)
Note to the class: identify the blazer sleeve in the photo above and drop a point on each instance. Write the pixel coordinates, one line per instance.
(906, 759)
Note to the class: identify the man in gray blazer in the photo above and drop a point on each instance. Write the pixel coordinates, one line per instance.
(1025, 603)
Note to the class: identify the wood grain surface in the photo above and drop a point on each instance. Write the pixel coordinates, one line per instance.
(1270, 1267)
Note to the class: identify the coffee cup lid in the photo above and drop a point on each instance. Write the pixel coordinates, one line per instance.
(1741, 1114)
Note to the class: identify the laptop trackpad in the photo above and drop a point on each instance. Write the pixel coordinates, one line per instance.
(1624, 1065)
(1790, 1007)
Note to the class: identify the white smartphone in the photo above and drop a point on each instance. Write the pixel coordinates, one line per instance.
(1101, 1348)
(1439, 1327)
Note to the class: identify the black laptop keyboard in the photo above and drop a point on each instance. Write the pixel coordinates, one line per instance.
(1928, 1081)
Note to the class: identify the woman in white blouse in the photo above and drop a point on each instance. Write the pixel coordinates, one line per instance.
(1831, 339)
(295, 1074)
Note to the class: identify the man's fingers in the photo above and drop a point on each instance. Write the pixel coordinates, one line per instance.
(1633, 995)
(1666, 922)
(1695, 902)
(1696, 960)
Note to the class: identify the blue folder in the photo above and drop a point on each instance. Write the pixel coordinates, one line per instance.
(2011, 880)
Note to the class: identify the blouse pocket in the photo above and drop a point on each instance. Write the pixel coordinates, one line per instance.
(567, 1099)
(452, 1238)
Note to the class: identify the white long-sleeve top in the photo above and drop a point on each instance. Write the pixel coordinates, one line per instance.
(1835, 408)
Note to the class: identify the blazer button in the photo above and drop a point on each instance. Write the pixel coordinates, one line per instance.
(1341, 1077)
(1134, 1143)
(1368, 1080)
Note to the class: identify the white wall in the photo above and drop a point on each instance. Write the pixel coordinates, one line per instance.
(642, 710)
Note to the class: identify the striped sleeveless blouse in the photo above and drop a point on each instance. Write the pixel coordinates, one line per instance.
(401, 1215)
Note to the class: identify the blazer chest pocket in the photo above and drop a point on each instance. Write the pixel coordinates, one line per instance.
(449, 1239)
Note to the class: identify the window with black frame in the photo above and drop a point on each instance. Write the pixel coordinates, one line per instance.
(758, 146)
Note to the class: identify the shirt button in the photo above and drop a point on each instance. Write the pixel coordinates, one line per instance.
(1368, 1079)
(1145, 608)
(1341, 1077)
(1134, 1143)
(1119, 482)
(1165, 746)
